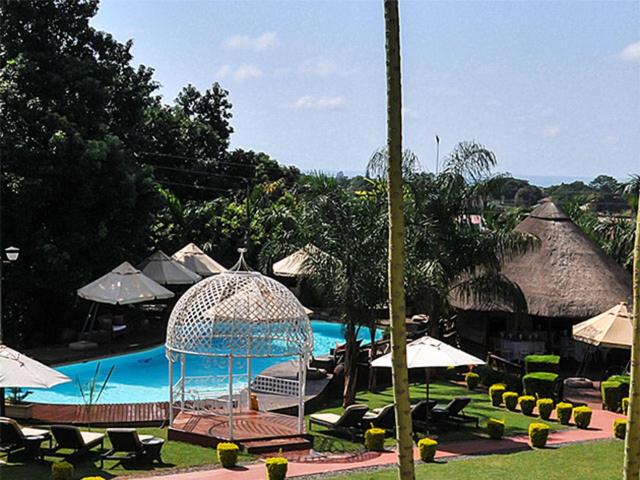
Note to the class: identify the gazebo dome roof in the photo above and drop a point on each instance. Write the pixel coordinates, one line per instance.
(239, 314)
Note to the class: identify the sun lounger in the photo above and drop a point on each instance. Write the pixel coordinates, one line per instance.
(69, 437)
(420, 412)
(14, 438)
(349, 422)
(126, 444)
(453, 412)
(384, 417)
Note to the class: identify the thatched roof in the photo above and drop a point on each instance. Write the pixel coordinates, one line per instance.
(568, 276)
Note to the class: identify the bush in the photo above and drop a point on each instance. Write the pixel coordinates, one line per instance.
(510, 400)
(582, 417)
(227, 454)
(61, 471)
(611, 395)
(545, 407)
(495, 428)
(540, 384)
(625, 382)
(527, 404)
(374, 439)
(563, 412)
(489, 376)
(620, 428)
(427, 448)
(542, 363)
(625, 405)
(538, 434)
(276, 468)
(472, 379)
(92, 478)
(495, 393)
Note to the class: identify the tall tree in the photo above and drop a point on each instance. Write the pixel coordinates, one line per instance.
(406, 469)
(632, 441)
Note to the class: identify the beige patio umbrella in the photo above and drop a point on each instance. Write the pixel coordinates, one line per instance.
(164, 270)
(612, 328)
(192, 257)
(295, 264)
(124, 285)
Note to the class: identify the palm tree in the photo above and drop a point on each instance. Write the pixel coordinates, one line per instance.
(406, 469)
(632, 442)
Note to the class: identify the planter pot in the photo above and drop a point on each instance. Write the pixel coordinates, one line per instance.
(23, 411)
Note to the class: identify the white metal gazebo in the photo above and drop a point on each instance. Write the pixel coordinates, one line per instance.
(222, 324)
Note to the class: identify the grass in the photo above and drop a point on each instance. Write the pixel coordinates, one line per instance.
(595, 461)
(480, 406)
(174, 455)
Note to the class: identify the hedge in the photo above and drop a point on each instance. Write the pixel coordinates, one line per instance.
(472, 379)
(276, 468)
(563, 412)
(527, 404)
(612, 395)
(427, 448)
(582, 417)
(227, 454)
(538, 434)
(495, 428)
(540, 384)
(542, 363)
(620, 428)
(489, 376)
(510, 400)
(495, 393)
(374, 439)
(545, 408)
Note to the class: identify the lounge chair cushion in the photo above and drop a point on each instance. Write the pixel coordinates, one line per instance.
(91, 437)
(329, 418)
(34, 432)
(145, 438)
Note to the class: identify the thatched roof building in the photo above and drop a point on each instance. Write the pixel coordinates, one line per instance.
(568, 276)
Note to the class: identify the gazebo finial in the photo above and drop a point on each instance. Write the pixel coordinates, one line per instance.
(241, 265)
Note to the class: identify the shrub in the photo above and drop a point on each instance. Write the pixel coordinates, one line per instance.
(427, 448)
(472, 379)
(625, 382)
(538, 434)
(489, 376)
(625, 405)
(276, 468)
(582, 417)
(227, 454)
(620, 428)
(542, 363)
(510, 400)
(495, 428)
(563, 412)
(495, 393)
(92, 478)
(61, 471)
(545, 407)
(611, 395)
(527, 404)
(540, 384)
(374, 439)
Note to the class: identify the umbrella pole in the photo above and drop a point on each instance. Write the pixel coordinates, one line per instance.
(426, 419)
(2, 404)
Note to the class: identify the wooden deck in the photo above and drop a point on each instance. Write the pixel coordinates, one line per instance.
(131, 414)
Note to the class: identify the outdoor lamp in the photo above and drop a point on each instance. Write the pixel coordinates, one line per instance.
(12, 253)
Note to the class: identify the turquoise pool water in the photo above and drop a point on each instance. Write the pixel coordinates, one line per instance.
(143, 376)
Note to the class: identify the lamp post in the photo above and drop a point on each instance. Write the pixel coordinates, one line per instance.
(12, 254)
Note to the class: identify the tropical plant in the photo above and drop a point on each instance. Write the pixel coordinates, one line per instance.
(92, 390)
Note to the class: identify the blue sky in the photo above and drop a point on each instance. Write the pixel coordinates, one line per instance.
(553, 88)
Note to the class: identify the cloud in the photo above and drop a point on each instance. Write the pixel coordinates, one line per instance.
(319, 103)
(322, 67)
(630, 53)
(551, 131)
(260, 43)
(239, 74)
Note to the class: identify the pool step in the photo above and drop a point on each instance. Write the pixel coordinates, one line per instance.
(257, 447)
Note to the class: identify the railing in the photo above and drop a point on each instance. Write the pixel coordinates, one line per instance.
(276, 386)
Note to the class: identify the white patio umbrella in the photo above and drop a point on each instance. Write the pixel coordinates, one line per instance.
(613, 328)
(427, 352)
(164, 270)
(192, 257)
(294, 265)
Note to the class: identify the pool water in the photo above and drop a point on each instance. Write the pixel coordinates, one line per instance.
(144, 376)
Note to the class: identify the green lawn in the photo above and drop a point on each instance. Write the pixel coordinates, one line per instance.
(516, 423)
(593, 461)
(174, 455)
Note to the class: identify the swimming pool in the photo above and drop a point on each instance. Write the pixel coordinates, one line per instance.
(143, 376)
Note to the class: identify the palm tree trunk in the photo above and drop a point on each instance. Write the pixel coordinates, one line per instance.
(350, 367)
(396, 244)
(632, 442)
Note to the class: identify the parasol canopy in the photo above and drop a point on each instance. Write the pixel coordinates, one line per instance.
(192, 257)
(19, 371)
(162, 269)
(613, 328)
(427, 352)
(124, 285)
(296, 264)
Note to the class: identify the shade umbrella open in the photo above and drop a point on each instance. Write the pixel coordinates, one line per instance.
(613, 328)
(427, 352)
(296, 264)
(192, 257)
(162, 269)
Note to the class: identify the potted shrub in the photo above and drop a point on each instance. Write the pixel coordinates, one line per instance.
(545, 408)
(276, 468)
(61, 471)
(582, 417)
(495, 428)
(427, 448)
(620, 428)
(374, 439)
(16, 406)
(563, 412)
(227, 454)
(510, 400)
(538, 434)
(495, 393)
(472, 379)
(527, 404)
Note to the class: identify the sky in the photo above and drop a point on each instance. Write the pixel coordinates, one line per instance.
(552, 87)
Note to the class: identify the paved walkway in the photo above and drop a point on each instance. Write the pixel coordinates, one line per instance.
(601, 428)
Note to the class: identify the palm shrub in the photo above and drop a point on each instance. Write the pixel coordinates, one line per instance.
(620, 428)
(227, 454)
(495, 393)
(510, 400)
(527, 404)
(538, 434)
(545, 407)
(61, 471)
(374, 439)
(472, 379)
(276, 468)
(495, 428)
(427, 448)
(563, 412)
(582, 417)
